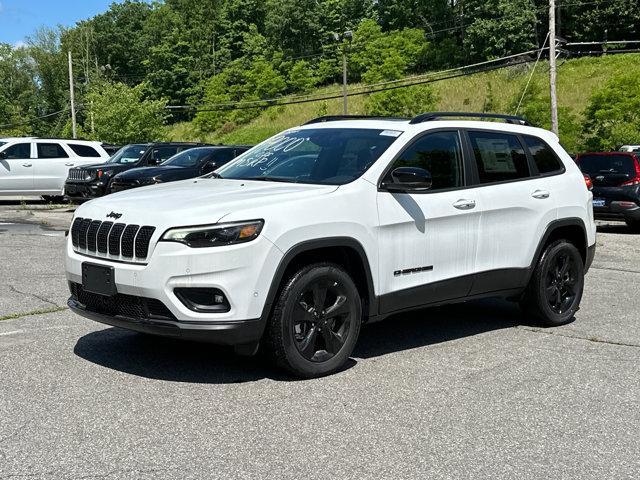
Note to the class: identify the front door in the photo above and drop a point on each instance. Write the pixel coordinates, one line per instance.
(428, 240)
(16, 169)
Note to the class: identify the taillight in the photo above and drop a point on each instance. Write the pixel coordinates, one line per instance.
(587, 180)
(635, 180)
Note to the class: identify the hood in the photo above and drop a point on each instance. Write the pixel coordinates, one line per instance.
(196, 202)
(113, 167)
(146, 172)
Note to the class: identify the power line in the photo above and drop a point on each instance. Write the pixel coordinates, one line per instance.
(31, 120)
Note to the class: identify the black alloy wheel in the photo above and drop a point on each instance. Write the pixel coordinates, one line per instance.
(560, 282)
(322, 318)
(315, 321)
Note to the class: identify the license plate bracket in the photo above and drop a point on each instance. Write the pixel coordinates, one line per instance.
(599, 202)
(98, 279)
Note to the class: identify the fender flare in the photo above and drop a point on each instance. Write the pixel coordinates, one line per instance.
(315, 244)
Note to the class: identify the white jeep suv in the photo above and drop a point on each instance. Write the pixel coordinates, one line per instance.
(342, 221)
(39, 166)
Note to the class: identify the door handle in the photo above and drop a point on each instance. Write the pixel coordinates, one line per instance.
(540, 194)
(69, 164)
(26, 164)
(463, 204)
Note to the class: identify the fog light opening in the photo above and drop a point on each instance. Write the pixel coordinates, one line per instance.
(203, 300)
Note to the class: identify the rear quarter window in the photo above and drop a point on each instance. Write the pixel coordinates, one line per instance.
(84, 150)
(543, 155)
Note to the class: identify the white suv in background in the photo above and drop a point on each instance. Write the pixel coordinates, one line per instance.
(342, 221)
(38, 166)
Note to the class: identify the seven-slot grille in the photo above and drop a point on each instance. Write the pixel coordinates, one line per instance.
(78, 174)
(109, 238)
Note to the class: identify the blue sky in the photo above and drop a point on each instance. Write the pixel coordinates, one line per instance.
(20, 18)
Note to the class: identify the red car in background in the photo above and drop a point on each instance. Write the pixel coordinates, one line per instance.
(616, 185)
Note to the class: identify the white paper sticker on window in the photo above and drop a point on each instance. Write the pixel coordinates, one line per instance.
(391, 133)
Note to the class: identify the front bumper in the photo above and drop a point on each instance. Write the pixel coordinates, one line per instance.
(222, 333)
(83, 190)
(243, 273)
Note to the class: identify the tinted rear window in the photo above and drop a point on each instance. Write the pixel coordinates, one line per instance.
(603, 164)
(499, 157)
(51, 150)
(84, 150)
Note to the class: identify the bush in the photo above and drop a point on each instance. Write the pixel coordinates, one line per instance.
(613, 114)
(402, 102)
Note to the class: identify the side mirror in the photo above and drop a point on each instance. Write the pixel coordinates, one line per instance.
(408, 179)
(3, 155)
(209, 167)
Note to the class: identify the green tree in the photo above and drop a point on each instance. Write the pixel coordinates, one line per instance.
(613, 113)
(123, 115)
(18, 95)
(498, 28)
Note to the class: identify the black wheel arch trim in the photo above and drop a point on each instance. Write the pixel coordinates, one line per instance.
(555, 225)
(310, 245)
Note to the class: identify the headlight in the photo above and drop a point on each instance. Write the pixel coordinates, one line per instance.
(215, 235)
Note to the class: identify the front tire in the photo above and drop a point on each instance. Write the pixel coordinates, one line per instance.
(555, 289)
(315, 322)
(53, 198)
(634, 225)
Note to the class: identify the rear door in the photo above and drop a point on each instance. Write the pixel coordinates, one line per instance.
(16, 169)
(517, 205)
(51, 167)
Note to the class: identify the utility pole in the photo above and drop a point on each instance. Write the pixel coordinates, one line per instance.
(344, 79)
(552, 66)
(345, 39)
(72, 97)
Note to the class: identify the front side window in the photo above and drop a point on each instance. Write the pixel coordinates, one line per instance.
(325, 156)
(499, 157)
(543, 155)
(19, 150)
(438, 153)
(128, 154)
(51, 150)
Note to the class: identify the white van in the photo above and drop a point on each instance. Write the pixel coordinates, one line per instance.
(39, 166)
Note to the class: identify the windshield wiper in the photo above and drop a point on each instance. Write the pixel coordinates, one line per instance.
(267, 178)
(213, 175)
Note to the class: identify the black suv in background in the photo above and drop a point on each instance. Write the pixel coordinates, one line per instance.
(616, 185)
(87, 182)
(187, 164)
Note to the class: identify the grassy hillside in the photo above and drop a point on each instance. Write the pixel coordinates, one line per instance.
(499, 90)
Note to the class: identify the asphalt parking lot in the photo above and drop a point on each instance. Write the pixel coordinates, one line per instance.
(468, 391)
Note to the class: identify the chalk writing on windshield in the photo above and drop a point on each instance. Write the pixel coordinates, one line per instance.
(266, 155)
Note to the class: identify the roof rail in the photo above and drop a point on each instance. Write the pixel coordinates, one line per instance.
(335, 118)
(430, 116)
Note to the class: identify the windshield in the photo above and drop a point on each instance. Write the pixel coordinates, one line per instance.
(128, 154)
(189, 158)
(604, 164)
(326, 156)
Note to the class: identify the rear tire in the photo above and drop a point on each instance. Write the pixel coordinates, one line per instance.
(555, 288)
(315, 322)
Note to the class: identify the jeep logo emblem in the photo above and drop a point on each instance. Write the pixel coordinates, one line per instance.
(114, 215)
